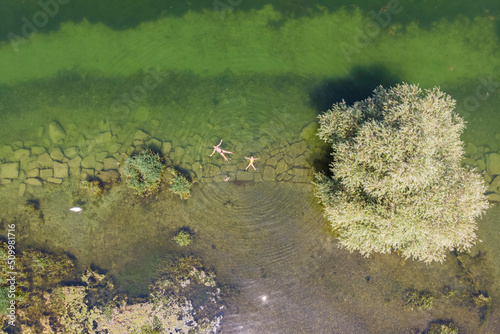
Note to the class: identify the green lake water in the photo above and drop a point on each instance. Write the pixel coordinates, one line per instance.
(255, 75)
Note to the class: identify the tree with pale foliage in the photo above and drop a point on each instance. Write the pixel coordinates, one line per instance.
(397, 182)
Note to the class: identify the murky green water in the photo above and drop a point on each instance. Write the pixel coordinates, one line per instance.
(256, 76)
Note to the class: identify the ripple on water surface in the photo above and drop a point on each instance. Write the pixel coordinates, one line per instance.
(267, 242)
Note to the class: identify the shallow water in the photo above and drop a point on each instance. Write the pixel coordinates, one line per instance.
(255, 76)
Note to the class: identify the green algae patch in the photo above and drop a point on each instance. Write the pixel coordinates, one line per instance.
(326, 45)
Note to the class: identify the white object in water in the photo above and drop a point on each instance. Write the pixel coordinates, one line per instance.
(76, 209)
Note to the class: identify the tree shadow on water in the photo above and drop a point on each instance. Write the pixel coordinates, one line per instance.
(356, 86)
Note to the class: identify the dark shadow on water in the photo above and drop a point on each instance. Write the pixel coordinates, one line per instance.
(126, 14)
(357, 86)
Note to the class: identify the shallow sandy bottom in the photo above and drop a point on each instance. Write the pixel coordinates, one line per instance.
(270, 244)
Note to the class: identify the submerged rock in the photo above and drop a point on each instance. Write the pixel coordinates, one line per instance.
(22, 189)
(110, 163)
(272, 162)
(470, 150)
(9, 170)
(141, 135)
(56, 154)
(34, 172)
(60, 170)
(37, 150)
(154, 144)
(71, 152)
(298, 148)
(74, 165)
(493, 164)
(493, 197)
(89, 161)
(103, 138)
(108, 176)
(56, 132)
(33, 181)
(309, 131)
(46, 173)
(166, 147)
(54, 180)
(44, 161)
(282, 167)
(269, 173)
(5, 151)
(23, 152)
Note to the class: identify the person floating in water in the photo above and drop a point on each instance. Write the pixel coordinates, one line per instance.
(252, 160)
(220, 151)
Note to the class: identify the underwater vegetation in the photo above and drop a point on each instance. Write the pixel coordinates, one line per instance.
(183, 238)
(37, 273)
(397, 183)
(442, 327)
(4, 300)
(92, 188)
(179, 184)
(46, 303)
(30, 205)
(418, 299)
(143, 172)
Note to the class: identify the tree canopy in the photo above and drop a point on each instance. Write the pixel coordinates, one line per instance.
(397, 182)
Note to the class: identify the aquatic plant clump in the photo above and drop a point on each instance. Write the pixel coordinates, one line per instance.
(179, 184)
(418, 299)
(183, 238)
(92, 188)
(143, 172)
(442, 327)
(397, 182)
